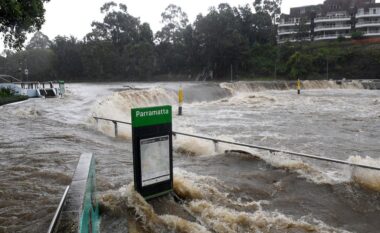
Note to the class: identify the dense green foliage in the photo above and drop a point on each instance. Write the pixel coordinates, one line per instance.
(238, 39)
(5, 92)
(7, 96)
(12, 99)
(18, 17)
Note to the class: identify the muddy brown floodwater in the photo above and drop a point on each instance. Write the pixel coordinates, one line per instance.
(229, 190)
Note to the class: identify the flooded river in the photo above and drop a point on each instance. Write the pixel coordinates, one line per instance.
(230, 189)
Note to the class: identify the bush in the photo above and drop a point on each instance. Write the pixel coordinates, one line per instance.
(12, 99)
(7, 96)
(341, 38)
(357, 35)
(6, 92)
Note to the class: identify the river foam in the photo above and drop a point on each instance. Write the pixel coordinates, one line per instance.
(365, 177)
(242, 95)
(214, 210)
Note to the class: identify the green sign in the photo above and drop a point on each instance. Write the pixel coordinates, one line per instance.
(142, 117)
(152, 150)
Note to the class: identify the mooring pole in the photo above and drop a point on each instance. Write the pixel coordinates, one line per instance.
(180, 100)
(298, 87)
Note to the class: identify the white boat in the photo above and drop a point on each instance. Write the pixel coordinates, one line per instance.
(32, 89)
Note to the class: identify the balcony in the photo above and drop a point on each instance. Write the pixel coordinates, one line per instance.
(291, 23)
(368, 24)
(372, 33)
(331, 37)
(367, 15)
(281, 41)
(332, 18)
(332, 28)
(286, 32)
(289, 32)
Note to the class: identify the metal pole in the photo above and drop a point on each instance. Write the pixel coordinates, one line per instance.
(116, 131)
(327, 68)
(216, 145)
(231, 73)
(275, 63)
(54, 222)
(263, 148)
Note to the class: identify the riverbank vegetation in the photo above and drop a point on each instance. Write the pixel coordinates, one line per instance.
(7, 96)
(227, 40)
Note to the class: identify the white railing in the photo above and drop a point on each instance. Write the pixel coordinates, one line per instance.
(290, 32)
(332, 18)
(282, 32)
(281, 41)
(287, 23)
(346, 26)
(332, 36)
(372, 33)
(292, 23)
(368, 14)
(368, 22)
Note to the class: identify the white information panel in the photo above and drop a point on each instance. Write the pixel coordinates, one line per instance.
(155, 160)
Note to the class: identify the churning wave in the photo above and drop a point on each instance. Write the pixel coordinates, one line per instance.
(216, 207)
(250, 87)
(214, 210)
(118, 106)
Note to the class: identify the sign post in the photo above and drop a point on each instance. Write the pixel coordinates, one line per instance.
(61, 87)
(26, 71)
(152, 150)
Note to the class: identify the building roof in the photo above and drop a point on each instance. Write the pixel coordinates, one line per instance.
(367, 6)
(330, 6)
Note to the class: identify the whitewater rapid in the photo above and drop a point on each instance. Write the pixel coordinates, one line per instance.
(255, 191)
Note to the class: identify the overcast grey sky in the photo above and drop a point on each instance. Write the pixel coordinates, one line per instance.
(74, 17)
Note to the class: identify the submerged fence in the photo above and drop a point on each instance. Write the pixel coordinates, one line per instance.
(271, 150)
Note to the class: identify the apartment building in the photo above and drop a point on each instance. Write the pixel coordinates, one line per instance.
(368, 20)
(330, 20)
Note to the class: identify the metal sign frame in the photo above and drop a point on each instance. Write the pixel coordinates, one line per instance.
(152, 125)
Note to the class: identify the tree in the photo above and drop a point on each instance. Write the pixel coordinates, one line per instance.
(118, 26)
(258, 28)
(38, 61)
(119, 46)
(220, 40)
(18, 17)
(299, 65)
(39, 41)
(357, 35)
(2, 64)
(272, 7)
(174, 41)
(68, 63)
(302, 30)
(175, 21)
